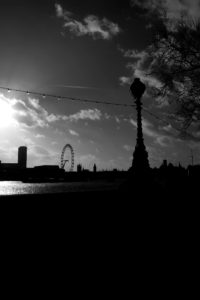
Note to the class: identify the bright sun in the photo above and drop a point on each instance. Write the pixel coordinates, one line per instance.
(6, 114)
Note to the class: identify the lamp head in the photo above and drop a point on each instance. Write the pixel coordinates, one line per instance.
(137, 88)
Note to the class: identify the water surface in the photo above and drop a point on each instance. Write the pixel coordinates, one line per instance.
(19, 188)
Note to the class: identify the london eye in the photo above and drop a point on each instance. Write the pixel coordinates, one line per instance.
(67, 158)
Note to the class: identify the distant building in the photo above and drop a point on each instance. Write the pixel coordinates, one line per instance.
(194, 171)
(9, 166)
(47, 168)
(94, 168)
(79, 168)
(48, 171)
(164, 164)
(22, 157)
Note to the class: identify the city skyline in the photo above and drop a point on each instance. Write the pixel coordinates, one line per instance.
(89, 50)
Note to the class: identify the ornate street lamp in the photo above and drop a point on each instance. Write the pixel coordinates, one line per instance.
(140, 164)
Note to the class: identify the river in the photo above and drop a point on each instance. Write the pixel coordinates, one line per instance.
(20, 188)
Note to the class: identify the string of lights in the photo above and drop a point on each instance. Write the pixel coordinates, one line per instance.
(156, 117)
(65, 97)
(163, 121)
(75, 99)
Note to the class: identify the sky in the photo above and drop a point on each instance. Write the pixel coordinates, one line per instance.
(88, 50)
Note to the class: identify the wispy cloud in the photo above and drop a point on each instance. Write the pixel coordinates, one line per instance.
(59, 10)
(89, 114)
(128, 148)
(77, 87)
(40, 136)
(91, 25)
(125, 80)
(74, 133)
(117, 120)
(159, 138)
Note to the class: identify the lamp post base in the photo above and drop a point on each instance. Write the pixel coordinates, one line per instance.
(140, 163)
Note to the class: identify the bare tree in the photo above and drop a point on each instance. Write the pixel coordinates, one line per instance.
(176, 64)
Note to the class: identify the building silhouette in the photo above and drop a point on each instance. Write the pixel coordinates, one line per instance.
(79, 168)
(22, 157)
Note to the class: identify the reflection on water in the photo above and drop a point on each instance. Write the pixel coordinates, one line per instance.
(17, 188)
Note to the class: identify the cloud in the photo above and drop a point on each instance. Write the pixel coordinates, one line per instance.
(40, 155)
(167, 128)
(117, 120)
(8, 154)
(148, 129)
(125, 80)
(61, 13)
(34, 103)
(40, 136)
(72, 132)
(31, 114)
(90, 114)
(139, 66)
(91, 25)
(107, 116)
(40, 151)
(28, 141)
(173, 9)
(163, 141)
(53, 118)
(37, 153)
(128, 148)
(155, 155)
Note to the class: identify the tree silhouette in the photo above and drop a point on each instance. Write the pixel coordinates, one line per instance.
(176, 64)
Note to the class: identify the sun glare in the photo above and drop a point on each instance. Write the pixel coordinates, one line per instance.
(6, 114)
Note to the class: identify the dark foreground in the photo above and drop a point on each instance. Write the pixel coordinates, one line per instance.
(105, 238)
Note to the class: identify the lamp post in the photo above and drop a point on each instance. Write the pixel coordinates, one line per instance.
(140, 164)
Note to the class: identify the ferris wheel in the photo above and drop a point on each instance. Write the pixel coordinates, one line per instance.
(67, 158)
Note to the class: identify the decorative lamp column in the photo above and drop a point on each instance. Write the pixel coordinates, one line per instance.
(140, 162)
